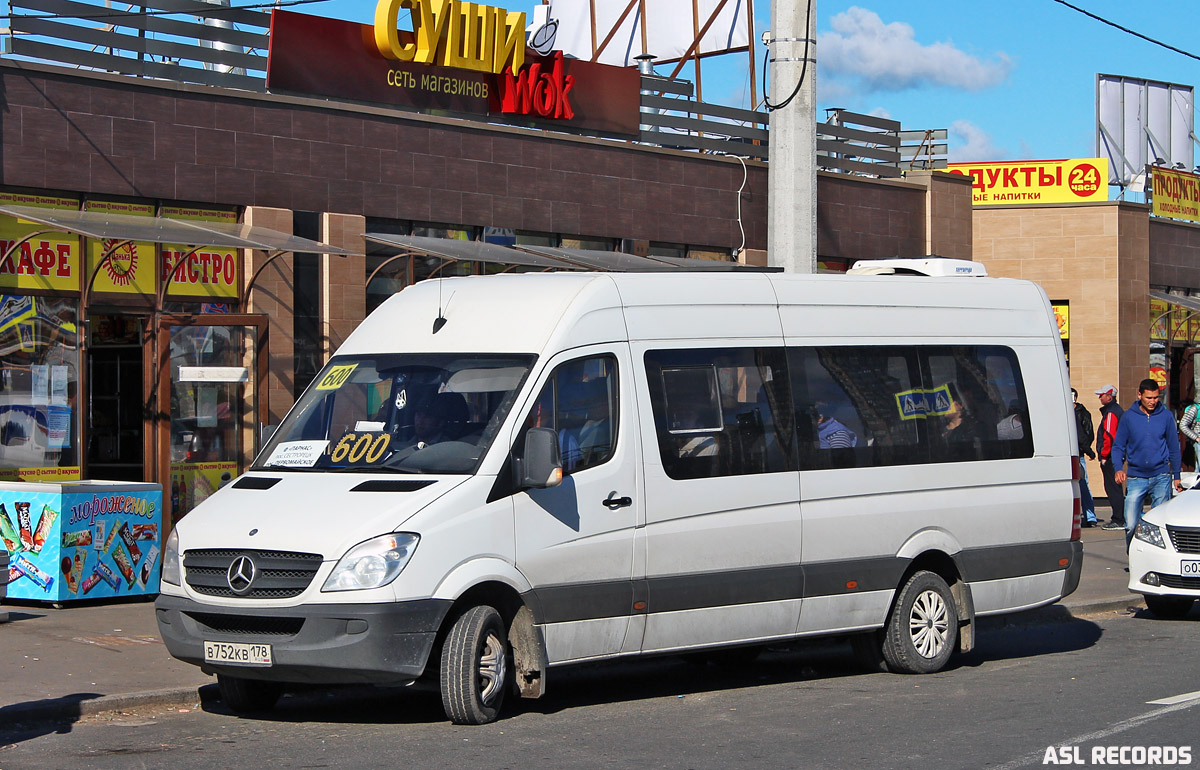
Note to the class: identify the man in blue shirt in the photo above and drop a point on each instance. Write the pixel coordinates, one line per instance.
(1147, 441)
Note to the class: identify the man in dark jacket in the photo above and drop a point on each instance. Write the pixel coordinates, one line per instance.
(1110, 416)
(1147, 439)
(1084, 435)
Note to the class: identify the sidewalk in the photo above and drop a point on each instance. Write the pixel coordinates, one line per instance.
(62, 664)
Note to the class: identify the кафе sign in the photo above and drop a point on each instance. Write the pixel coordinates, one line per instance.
(459, 57)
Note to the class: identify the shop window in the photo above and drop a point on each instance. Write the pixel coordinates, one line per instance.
(591, 244)
(39, 388)
(667, 249)
(715, 255)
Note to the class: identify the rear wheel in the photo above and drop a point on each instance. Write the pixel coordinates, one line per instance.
(1169, 607)
(922, 628)
(248, 696)
(474, 667)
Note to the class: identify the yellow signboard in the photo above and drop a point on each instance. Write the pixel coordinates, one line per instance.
(452, 33)
(1175, 194)
(1062, 316)
(209, 272)
(48, 474)
(130, 269)
(1158, 319)
(1036, 181)
(49, 261)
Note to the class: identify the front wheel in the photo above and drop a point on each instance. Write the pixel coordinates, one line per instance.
(248, 696)
(1169, 607)
(474, 667)
(922, 628)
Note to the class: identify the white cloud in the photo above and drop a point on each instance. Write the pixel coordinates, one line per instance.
(887, 57)
(973, 143)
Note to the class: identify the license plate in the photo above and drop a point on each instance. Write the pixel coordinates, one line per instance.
(237, 654)
(1189, 568)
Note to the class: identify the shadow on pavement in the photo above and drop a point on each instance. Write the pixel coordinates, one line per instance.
(1047, 631)
(32, 719)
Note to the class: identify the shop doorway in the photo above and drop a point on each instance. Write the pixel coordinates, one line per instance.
(210, 388)
(115, 397)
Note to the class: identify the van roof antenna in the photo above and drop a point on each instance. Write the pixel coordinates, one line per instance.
(440, 321)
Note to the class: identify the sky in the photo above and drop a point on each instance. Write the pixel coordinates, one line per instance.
(1010, 80)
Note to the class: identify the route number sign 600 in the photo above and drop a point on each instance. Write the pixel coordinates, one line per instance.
(356, 448)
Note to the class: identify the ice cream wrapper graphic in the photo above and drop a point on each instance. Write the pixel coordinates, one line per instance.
(98, 535)
(77, 562)
(106, 573)
(130, 542)
(72, 568)
(112, 535)
(90, 582)
(147, 566)
(8, 533)
(45, 523)
(14, 574)
(25, 526)
(76, 538)
(145, 532)
(124, 563)
(31, 571)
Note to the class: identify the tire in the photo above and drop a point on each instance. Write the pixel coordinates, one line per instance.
(922, 629)
(248, 696)
(475, 667)
(1169, 607)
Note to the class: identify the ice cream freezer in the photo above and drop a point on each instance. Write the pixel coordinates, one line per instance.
(81, 539)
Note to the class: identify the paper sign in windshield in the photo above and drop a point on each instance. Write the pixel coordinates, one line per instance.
(297, 454)
(336, 377)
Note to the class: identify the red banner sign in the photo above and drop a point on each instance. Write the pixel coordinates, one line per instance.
(340, 59)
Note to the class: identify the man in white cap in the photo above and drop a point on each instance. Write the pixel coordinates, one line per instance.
(1110, 416)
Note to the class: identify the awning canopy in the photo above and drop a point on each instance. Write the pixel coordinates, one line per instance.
(1191, 303)
(550, 258)
(124, 227)
(467, 251)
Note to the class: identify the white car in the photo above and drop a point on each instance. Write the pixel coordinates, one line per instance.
(1164, 556)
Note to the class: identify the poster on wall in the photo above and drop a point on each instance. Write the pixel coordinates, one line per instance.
(204, 273)
(46, 261)
(85, 540)
(193, 483)
(130, 267)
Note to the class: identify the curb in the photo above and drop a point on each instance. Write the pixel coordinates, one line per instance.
(75, 706)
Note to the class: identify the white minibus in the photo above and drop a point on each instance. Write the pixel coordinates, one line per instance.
(499, 475)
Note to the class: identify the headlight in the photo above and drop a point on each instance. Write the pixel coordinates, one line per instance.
(1149, 533)
(171, 572)
(372, 564)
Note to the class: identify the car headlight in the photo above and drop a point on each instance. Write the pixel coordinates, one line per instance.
(171, 572)
(373, 563)
(1149, 533)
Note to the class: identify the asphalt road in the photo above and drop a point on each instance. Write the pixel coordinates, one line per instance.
(1073, 685)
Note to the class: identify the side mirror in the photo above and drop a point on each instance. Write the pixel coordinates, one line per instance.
(540, 466)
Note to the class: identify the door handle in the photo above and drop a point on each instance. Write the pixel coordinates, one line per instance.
(612, 502)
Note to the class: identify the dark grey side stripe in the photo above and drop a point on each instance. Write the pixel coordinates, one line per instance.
(616, 598)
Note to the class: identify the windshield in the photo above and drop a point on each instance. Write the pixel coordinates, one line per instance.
(398, 413)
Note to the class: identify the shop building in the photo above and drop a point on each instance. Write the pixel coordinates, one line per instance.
(118, 365)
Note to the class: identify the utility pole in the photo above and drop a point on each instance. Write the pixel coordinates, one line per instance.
(792, 168)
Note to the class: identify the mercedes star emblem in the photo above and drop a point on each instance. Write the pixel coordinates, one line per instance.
(241, 575)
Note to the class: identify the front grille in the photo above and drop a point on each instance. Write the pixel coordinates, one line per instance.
(1185, 539)
(1178, 581)
(280, 574)
(248, 624)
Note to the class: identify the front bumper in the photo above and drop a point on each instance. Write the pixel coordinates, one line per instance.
(315, 643)
(1168, 565)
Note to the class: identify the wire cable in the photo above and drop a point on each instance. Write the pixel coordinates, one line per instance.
(803, 68)
(1102, 20)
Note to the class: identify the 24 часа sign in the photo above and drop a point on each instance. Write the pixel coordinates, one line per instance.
(70, 541)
